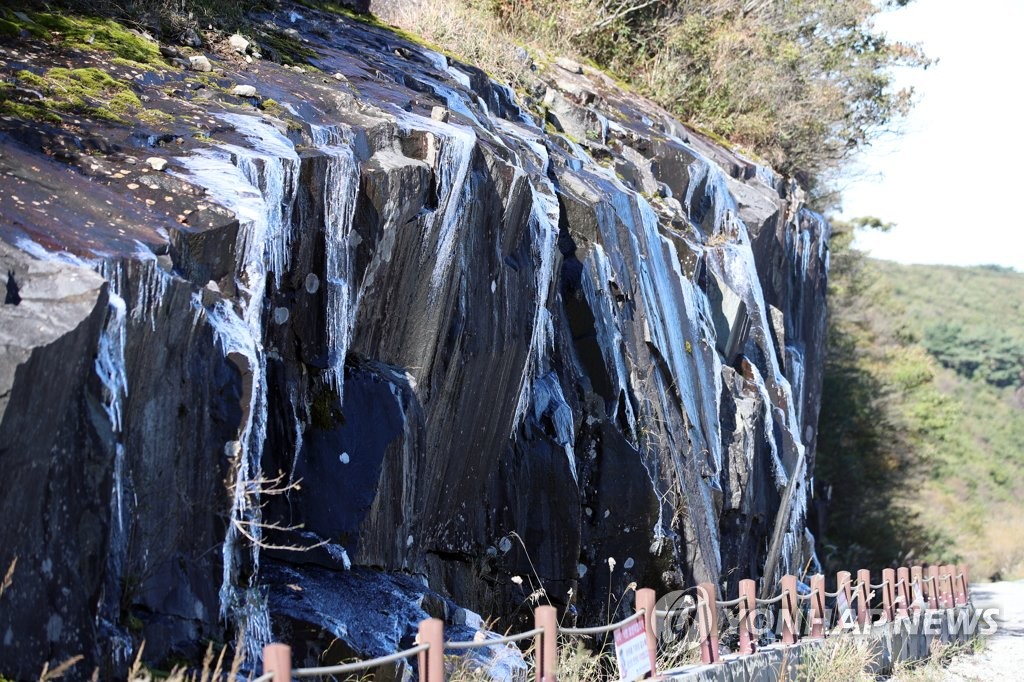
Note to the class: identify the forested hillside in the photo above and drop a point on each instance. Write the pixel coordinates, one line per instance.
(923, 415)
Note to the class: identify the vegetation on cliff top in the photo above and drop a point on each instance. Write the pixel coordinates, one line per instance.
(802, 84)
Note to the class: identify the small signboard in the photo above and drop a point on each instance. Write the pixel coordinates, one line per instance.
(631, 651)
(846, 616)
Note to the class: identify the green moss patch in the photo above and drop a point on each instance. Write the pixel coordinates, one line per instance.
(325, 413)
(285, 49)
(86, 92)
(85, 33)
(11, 26)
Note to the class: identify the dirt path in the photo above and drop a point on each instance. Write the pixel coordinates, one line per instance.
(1003, 657)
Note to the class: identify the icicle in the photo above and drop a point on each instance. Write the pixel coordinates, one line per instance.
(544, 234)
(110, 361)
(340, 188)
(271, 166)
(259, 185)
(110, 369)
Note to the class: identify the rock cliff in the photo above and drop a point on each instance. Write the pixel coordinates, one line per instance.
(369, 339)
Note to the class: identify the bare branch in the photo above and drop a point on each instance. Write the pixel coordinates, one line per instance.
(8, 577)
(624, 11)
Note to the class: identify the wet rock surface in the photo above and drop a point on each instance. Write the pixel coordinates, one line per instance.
(454, 347)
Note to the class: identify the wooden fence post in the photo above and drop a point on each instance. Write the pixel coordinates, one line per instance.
(965, 586)
(431, 631)
(863, 597)
(789, 611)
(888, 593)
(902, 591)
(817, 606)
(748, 612)
(933, 586)
(707, 622)
(918, 589)
(277, 659)
(546, 644)
(943, 583)
(844, 601)
(646, 600)
(949, 583)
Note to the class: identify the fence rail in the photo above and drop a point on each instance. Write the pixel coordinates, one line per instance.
(904, 592)
(602, 629)
(497, 641)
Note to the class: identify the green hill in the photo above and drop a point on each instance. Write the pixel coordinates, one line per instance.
(923, 416)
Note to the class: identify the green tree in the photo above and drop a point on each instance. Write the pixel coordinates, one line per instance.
(883, 425)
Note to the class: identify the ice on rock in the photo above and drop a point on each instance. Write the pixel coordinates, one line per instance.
(341, 185)
(543, 233)
(271, 165)
(548, 400)
(110, 367)
(258, 183)
(451, 161)
(795, 367)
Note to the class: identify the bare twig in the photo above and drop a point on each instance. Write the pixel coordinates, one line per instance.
(623, 12)
(240, 526)
(239, 658)
(8, 577)
(532, 567)
(137, 672)
(59, 671)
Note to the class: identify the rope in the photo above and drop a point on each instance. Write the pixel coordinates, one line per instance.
(601, 629)
(803, 597)
(478, 644)
(730, 602)
(773, 600)
(833, 595)
(265, 677)
(665, 614)
(928, 579)
(359, 665)
(879, 585)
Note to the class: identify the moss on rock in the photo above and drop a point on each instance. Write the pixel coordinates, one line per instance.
(88, 92)
(100, 34)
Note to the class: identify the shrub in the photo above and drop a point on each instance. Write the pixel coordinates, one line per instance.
(801, 83)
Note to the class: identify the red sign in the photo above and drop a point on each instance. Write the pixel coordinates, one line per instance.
(631, 651)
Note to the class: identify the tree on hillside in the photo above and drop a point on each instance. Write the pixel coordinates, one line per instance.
(882, 422)
(989, 354)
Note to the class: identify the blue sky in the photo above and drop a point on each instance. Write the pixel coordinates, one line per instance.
(952, 181)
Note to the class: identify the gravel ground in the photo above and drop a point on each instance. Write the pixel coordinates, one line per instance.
(1003, 657)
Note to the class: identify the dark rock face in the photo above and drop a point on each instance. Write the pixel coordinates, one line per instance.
(455, 352)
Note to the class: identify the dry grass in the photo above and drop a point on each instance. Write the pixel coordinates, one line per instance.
(211, 671)
(464, 669)
(801, 84)
(57, 672)
(8, 577)
(934, 667)
(576, 663)
(844, 659)
(678, 656)
(468, 34)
